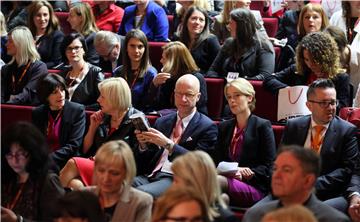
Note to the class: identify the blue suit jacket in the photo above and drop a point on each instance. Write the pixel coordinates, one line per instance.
(258, 151)
(155, 24)
(339, 153)
(72, 129)
(200, 134)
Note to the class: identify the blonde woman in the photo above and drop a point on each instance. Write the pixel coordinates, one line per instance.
(114, 172)
(177, 61)
(201, 176)
(3, 34)
(82, 20)
(19, 77)
(295, 213)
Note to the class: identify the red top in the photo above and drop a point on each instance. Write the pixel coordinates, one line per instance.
(110, 19)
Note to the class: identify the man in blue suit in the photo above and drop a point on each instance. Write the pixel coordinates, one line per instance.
(336, 143)
(173, 135)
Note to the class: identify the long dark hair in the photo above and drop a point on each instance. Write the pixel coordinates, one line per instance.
(185, 35)
(29, 138)
(145, 61)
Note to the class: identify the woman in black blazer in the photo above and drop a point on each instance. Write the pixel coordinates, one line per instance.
(247, 140)
(61, 121)
(82, 78)
(45, 28)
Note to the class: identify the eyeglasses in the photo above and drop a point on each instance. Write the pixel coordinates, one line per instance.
(187, 95)
(184, 219)
(325, 104)
(75, 48)
(17, 155)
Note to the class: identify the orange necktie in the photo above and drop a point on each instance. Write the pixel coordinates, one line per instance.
(316, 141)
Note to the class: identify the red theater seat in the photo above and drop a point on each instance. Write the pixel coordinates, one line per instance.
(278, 131)
(155, 52)
(215, 91)
(57, 71)
(259, 5)
(266, 103)
(14, 113)
(65, 25)
(271, 25)
(171, 25)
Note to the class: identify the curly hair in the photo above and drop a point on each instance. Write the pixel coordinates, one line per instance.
(324, 52)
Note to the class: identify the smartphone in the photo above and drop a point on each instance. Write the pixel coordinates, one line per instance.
(140, 122)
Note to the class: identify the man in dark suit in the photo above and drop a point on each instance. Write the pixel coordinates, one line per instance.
(294, 176)
(110, 48)
(173, 135)
(335, 142)
(353, 193)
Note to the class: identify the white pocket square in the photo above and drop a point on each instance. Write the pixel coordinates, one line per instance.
(189, 139)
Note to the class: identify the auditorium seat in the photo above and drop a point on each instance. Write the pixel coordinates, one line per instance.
(215, 91)
(266, 103)
(14, 113)
(271, 25)
(155, 53)
(278, 131)
(65, 25)
(171, 25)
(259, 5)
(57, 71)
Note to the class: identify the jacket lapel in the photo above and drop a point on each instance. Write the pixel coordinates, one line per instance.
(191, 127)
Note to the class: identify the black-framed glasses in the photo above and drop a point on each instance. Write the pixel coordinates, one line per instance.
(75, 48)
(17, 155)
(325, 104)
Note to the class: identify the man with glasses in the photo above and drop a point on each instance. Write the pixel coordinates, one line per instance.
(332, 138)
(110, 48)
(173, 135)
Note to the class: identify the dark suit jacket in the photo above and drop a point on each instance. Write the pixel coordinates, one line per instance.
(258, 149)
(106, 66)
(48, 47)
(91, 54)
(72, 129)
(339, 153)
(200, 134)
(321, 211)
(87, 92)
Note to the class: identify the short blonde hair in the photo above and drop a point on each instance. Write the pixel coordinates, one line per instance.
(116, 152)
(294, 213)
(174, 196)
(201, 176)
(25, 47)
(245, 88)
(117, 92)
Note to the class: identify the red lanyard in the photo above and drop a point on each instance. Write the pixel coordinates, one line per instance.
(17, 196)
(14, 82)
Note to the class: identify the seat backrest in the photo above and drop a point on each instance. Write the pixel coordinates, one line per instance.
(155, 52)
(266, 102)
(271, 25)
(278, 132)
(65, 25)
(13, 113)
(171, 25)
(259, 5)
(215, 91)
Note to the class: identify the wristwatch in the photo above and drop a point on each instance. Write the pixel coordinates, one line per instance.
(169, 146)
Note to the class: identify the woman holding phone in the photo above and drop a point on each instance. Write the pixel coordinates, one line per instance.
(112, 122)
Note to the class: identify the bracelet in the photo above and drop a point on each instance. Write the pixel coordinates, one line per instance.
(19, 218)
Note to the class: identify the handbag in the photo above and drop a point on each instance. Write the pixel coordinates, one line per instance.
(351, 114)
(292, 102)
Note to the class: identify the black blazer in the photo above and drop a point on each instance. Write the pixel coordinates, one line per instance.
(339, 153)
(72, 129)
(91, 54)
(200, 134)
(258, 149)
(124, 132)
(48, 47)
(289, 77)
(205, 53)
(256, 63)
(87, 92)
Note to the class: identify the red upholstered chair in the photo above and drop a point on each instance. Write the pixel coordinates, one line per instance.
(57, 71)
(107, 75)
(14, 113)
(271, 25)
(152, 119)
(155, 52)
(278, 131)
(65, 25)
(215, 91)
(259, 5)
(266, 103)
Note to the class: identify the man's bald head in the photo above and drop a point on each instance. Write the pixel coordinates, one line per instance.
(189, 80)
